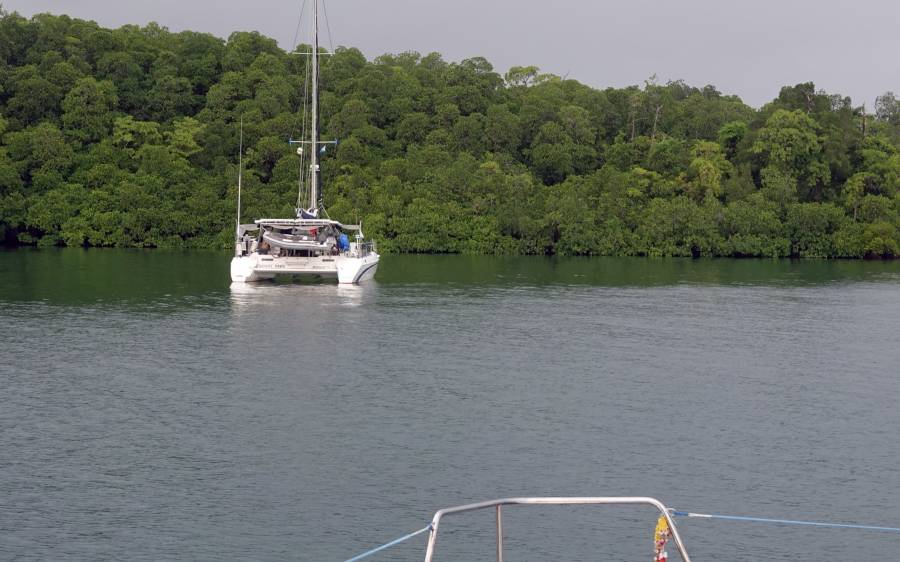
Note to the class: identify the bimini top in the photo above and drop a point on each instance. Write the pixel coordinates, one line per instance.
(304, 222)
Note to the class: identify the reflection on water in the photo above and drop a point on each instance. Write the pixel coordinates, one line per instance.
(303, 308)
(278, 294)
(520, 272)
(150, 411)
(150, 278)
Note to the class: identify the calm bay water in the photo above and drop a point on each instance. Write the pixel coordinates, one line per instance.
(150, 412)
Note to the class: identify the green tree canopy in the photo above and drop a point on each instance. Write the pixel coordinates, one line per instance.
(129, 137)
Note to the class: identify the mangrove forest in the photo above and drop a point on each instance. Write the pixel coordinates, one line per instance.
(129, 137)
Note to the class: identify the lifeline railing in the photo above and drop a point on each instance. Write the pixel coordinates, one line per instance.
(498, 504)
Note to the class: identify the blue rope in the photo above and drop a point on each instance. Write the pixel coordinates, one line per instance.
(388, 545)
(785, 521)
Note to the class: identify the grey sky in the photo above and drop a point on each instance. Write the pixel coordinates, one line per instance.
(746, 48)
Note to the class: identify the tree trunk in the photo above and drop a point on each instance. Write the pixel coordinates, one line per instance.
(863, 123)
(655, 121)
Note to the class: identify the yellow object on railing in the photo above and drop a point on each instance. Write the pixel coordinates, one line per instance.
(660, 538)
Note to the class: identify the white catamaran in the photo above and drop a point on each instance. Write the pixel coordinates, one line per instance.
(311, 244)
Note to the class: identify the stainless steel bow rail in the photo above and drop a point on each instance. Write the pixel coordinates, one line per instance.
(664, 511)
(498, 506)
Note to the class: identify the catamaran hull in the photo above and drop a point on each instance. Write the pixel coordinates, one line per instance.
(346, 269)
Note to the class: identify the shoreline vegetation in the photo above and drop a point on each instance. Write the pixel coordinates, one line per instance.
(128, 138)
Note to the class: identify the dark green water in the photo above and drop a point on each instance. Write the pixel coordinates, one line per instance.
(150, 412)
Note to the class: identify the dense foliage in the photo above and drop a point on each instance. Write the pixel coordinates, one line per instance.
(129, 137)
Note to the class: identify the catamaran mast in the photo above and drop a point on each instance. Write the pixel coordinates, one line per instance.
(314, 144)
(237, 226)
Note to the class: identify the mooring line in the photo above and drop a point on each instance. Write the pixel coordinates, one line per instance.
(784, 521)
(388, 545)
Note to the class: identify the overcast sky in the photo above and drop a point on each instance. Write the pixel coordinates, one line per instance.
(749, 48)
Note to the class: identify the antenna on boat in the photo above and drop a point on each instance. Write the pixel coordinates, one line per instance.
(237, 228)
